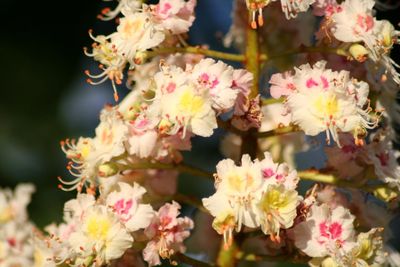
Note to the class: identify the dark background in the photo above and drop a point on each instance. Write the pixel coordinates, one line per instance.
(45, 97)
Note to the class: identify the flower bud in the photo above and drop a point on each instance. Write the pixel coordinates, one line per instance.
(108, 169)
(140, 57)
(358, 52)
(387, 33)
(385, 194)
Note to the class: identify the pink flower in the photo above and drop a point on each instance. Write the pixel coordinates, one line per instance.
(166, 233)
(175, 15)
(281, 84)
(325, 232)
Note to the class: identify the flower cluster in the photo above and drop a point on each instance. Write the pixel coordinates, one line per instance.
(255, 194)
(158, 121)
(328, 235)
(98, 231)
(337, 103)
(15, 227)
(140, 29)
(126, 212)
(353, 22)
(377, 155)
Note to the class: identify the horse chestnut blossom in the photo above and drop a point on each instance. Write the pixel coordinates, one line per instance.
(259, 193)
(328, 236)
(337, 103)
(131, 206)
(139, 29)
(353, 22)
(166, 233)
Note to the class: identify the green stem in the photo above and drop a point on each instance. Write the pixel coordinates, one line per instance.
(279, 258)
(316, 176)
(249, 141)
(277, 131)
(270, 101)
(181, 167)
(305, 49)
(252, 59)
(194, 50)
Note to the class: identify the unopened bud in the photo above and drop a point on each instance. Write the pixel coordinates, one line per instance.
(385, 194)
(108, 169)
(140, 57)
(358, 52)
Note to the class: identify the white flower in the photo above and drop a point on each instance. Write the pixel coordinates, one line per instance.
(175, 16)
(276, 174)
(325, 232)
(368, 251)
(384, 158)
(125, 6)
(355, 22)
(13, 204)
(142, 136)
(126, 203)
(136, 33)
(182, 104)
(76, 208)
(217, 77)
(238, 187)
(111, 63)
(83, 162)
(101, 235)
(15, 246)
(235, 202)
(278, 209)
(328, 101)
(110, 135)
(292, 7)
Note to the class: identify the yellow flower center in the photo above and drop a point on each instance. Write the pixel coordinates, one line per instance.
(190, 103)
(274, 199)
(85, 150)
(326, 105)
(98, 227)
(131, 28)
(239, 182)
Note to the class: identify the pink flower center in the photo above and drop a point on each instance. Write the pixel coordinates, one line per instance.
(311, 83)
(268, 173)
(291, 86)
(165, 8)
(164, 221)
(279, 177)
(325, 83)
(142, 123)
(171, 87)
(206, 80)
(122, 207)
(365, 22)
(331, 231)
